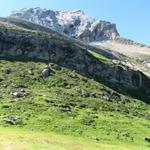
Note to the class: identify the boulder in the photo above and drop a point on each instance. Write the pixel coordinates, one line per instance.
(46, 72)
(7, 71)
(18, 94)
(95, 95)
(1, 96)
(147, 139)
(83, 92)
(106, 95)
(4, 85)
(12, 120)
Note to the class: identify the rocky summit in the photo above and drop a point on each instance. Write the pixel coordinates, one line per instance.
(73, 23)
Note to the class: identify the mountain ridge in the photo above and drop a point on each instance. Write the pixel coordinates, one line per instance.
(45, 17)
(73, 23)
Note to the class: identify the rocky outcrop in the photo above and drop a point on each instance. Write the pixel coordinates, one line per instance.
(20, 44)
(73, 23)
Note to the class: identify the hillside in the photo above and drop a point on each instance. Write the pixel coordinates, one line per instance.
(24, 44)
(52, 83)
(68, 103)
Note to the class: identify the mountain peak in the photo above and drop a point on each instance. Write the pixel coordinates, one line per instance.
(74, 11)
(73, 23)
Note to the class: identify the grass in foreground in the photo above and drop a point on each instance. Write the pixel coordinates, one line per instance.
(15, 139)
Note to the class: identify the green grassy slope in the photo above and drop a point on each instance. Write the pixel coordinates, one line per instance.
(68, 103)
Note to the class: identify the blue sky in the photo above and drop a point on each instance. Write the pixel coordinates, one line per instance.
(132, 17)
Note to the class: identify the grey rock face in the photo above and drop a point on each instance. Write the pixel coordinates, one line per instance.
(73, 23)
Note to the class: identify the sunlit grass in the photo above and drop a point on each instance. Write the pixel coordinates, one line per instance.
(15, 139)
